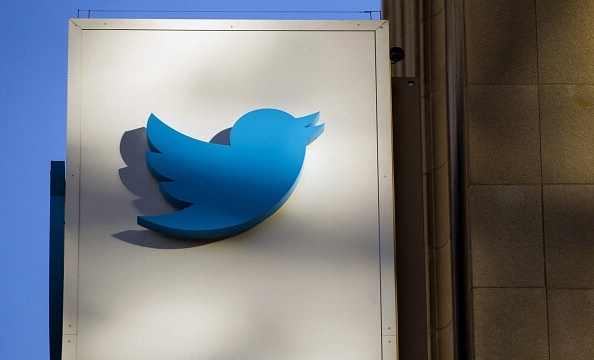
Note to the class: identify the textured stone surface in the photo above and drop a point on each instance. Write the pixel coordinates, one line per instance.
(530, 156)
(503, 134)
(510, 324)
(571, 324)
(567, 126)
(569, 235)
(506, 236)
(565, 41)
(501, 42)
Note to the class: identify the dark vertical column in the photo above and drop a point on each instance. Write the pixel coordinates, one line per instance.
(411, 274)
(56, 261)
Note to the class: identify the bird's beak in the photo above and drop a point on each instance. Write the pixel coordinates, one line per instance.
(312, 131)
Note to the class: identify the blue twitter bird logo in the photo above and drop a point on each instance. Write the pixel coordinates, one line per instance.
(223, 190)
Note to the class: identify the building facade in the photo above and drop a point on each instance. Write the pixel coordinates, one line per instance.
(499, 265)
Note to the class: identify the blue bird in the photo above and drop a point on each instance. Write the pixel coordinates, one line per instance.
(223, 190)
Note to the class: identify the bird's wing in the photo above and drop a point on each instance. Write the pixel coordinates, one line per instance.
(184, 165)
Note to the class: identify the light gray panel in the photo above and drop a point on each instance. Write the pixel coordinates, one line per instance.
(304, 284)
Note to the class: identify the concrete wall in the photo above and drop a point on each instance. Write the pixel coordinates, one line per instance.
(526, 108)
(530, 146)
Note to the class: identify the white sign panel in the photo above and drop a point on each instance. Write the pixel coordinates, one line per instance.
(310, 274)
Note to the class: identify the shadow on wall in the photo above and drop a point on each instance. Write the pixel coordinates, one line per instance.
(133, 147)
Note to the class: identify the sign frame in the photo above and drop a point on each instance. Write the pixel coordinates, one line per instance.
(379, 29)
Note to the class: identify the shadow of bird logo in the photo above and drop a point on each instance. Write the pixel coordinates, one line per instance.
(225, 189)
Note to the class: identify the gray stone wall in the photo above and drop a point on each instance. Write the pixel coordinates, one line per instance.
(530, 194)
